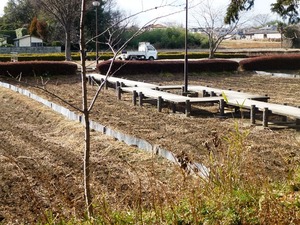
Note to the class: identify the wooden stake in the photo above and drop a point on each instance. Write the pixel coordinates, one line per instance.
(159, 103)
(141, 96)
(265, 117)
(252, 114)
(221, 107)
(188, 108)
(134, 97)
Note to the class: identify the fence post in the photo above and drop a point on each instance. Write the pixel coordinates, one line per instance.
(188, 108)
(141, 96)
(119, 92)
(134, 96)
(265, 117)
(221, 107)
(159, 103)
(252, 114)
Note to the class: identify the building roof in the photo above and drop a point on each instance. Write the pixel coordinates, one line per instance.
(155, 26)
(26, 36)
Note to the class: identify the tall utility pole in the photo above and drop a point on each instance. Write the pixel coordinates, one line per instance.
(96, 4)
(185, 89)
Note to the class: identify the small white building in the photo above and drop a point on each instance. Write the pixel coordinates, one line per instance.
(270, 33)
(28, 41)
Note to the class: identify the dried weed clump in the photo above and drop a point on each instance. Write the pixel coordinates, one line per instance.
(229, 195)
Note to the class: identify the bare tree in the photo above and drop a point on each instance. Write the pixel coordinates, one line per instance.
(210, 20)
(65, 12)
(112, 41)
(261, 20)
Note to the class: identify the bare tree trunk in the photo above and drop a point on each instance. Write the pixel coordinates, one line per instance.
(86, 113)
(68, 45)
(86, 164)
(211, 48)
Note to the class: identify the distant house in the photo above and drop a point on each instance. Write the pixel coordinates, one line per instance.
(155, 27)
(28, 41)
(225, 32)
(270, 33)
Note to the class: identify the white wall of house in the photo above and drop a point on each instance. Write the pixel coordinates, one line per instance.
(274, 36)
(258, 36)
(29, 41)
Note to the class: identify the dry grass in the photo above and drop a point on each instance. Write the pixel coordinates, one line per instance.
(43, 148)
(249, 44)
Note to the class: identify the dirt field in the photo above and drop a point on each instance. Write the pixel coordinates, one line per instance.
(41, 152)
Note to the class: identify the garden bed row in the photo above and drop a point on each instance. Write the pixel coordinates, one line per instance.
(37, 68)
(42, 68)
(274, 62)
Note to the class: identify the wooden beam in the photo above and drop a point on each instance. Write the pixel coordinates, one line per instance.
(119, 92)
(188, 108)
(253, 110)
(134, 97)
(265, 117)
(221, 107)
(159, 103)
(141, 96)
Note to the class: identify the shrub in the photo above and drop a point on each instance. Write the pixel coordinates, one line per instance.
(274, 62)
(198, 55)
(39, 68)
(150, 67)
(56, 43)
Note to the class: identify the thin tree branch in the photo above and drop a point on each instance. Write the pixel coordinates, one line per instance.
(18, 79)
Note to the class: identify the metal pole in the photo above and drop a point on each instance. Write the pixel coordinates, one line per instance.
(96, 4)
(186, 50)
(97, 53)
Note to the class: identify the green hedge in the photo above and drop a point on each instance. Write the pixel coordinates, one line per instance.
(151, 67)
(38, 68)
(199, 55)
(105, 56)
(53, 57)
(272, 62)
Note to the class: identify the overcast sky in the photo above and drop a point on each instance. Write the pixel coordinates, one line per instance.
(132, 6)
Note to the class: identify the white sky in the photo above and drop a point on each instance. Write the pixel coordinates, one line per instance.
(133, 6)
(2, 4)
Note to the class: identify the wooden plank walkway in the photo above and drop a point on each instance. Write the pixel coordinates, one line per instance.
(208, 91)
(255, 103)
(121, 81)
(162, 96)
(228, 93)
(267, 108)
